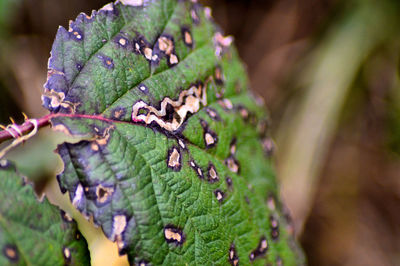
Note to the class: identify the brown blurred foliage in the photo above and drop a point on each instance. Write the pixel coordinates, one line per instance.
(349, 213)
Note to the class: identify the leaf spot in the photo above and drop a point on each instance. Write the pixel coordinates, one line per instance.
(274, 227)
(166, 44)
(173, 60)
(122, 41)
(187, 37)
(226, 104)
(219, 195)
(76, 34)
(197, 169)
(77, 195)
(229, 182)
(232, 164)
(232, 256)
(107, 61)
(174, 235)
(212, 174)
(118, 226)
(232, 147)
(103, 193)
(143, 263)
(11, 252)
(174, 159)
(143, 88)
(171, 118)
(244, 113)
(209, 139)
(213, 114)
(67, 254)
(260, 250)
(219, 78)
(182, 144)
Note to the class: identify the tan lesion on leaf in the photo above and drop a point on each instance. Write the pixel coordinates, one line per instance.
(103, 193)
(11, 252)
(118, 227)
(221, 43)
(57, 99)
(189, 101)
(103, 138)
(232, 164)
(173, 235)
(209, 139)
(174, 159)
(166, 45)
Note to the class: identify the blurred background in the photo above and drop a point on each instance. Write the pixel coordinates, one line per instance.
(328, 71)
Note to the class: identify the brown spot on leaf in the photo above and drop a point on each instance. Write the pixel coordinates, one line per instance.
(11, 252)
(174, 235)
(226, 104)
(210, 139)
(107, 61)
(143, 263)
(219, 78)
(67, 254)
(244, 113)
(187, 37)
(172, 60)
(274, 223)
(121, 41)
(94, 146)
(118, 113)
(182, 144)
(212, 173)
(118, 226)
(197, 169)
(102, 138)
(143, 88)
(232, 255)
(103, 193)
(229, 182)
(260, 250)
(165, 44)
(213, 114)
(219, 195)
(232, 147)
(232, 164)
(174, 159)
(76, 34)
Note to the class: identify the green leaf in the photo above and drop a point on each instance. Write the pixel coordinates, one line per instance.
(175, 162)
(32, 232)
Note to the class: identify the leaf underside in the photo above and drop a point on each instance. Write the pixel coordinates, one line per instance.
(175, 162)
(33, 233)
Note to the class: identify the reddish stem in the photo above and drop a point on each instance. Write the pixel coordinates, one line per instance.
(24, 128)
(44, 121)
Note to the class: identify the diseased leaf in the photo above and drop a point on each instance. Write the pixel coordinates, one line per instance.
(175, 163)
(33, 232)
